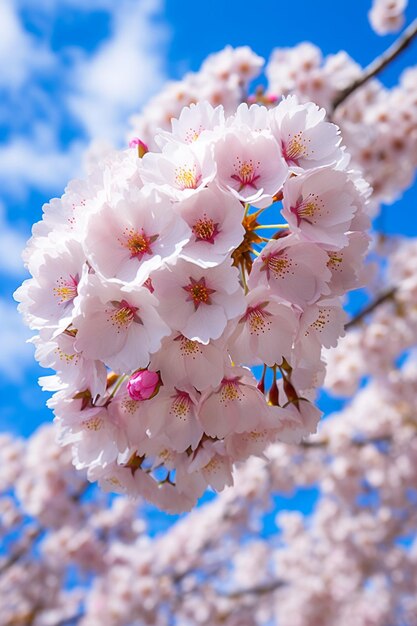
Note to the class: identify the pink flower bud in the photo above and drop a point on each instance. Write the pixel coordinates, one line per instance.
(142, 147)
(143, 385)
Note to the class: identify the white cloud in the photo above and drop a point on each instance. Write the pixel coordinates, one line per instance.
(15, 354)
(45, 88)
(38, 161)
(19, 53)
(124, 72)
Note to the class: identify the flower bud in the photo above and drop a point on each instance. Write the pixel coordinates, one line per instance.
(142, 147)
(143, 385)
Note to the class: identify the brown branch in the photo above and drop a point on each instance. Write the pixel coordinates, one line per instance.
(257, 590)
(35, 535)
(384, 297)
(359, 443)
(379, 63)
(17, 555)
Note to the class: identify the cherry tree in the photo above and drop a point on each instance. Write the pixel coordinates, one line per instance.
(225, 238)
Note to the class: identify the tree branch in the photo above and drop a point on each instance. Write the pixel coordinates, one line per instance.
(384, 297)
(35, 535)
(21, 551)
(379, 63)
(257, 589)
(359, 443)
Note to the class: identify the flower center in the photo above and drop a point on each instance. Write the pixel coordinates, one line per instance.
(230, 391)
(180, 405)
(138, 243)
(129, 406)
(295, 148)
(123, 314)
(94, 423)
(335, 259)
(245, 173)
(188, 347)
(198, 292)
(68, 358)
(276, 264)
(321, 321)
(66, 289)
(187, 178)
(256, 317)
(307, 209)
(193, 134)
(205, 229)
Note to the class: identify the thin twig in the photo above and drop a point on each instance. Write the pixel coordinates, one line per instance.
(17, 555)
(379, 63)
(359, 443)
(384, 297)
(257, 590)
(36, 534)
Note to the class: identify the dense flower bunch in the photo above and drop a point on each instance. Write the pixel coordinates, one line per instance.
(387, 16)
(163, 270)
(374, 348)
(378, 124)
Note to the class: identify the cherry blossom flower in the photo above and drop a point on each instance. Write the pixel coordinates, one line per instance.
(47, 299)
(117, 324)
(215, 220)
(199, 302)
(136, 236)
(295, 271)
(266, 332)
(181, 359)
(319, 206)
(250, 166)
(306, 139)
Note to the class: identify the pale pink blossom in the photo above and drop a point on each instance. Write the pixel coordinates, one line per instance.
(236, 405)
(215, 220)
(47, 299)
(387, 16)
(135, 236)
(266, 332)
(319, 206)
(180, 170)
(119, 325)
(250, 165)
(294, 270)
(198, 302)
(192, 124)
(181, 359)
(305, 138)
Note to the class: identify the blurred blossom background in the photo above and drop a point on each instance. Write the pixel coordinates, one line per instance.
(73, 72)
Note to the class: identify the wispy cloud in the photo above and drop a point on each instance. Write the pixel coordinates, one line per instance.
(55, 99)
(20, 53)
(38, 161)
(124, 72)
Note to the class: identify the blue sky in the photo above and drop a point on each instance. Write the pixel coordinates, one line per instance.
(74, 70)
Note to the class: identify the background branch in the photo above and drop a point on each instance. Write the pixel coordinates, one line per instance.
(384, 297)
(379, 63)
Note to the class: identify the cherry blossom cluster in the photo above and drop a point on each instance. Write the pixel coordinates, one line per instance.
(350, 555)
(387, 16)
(379, 124)
(373, 346)
(223, 79)
(156, 281)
